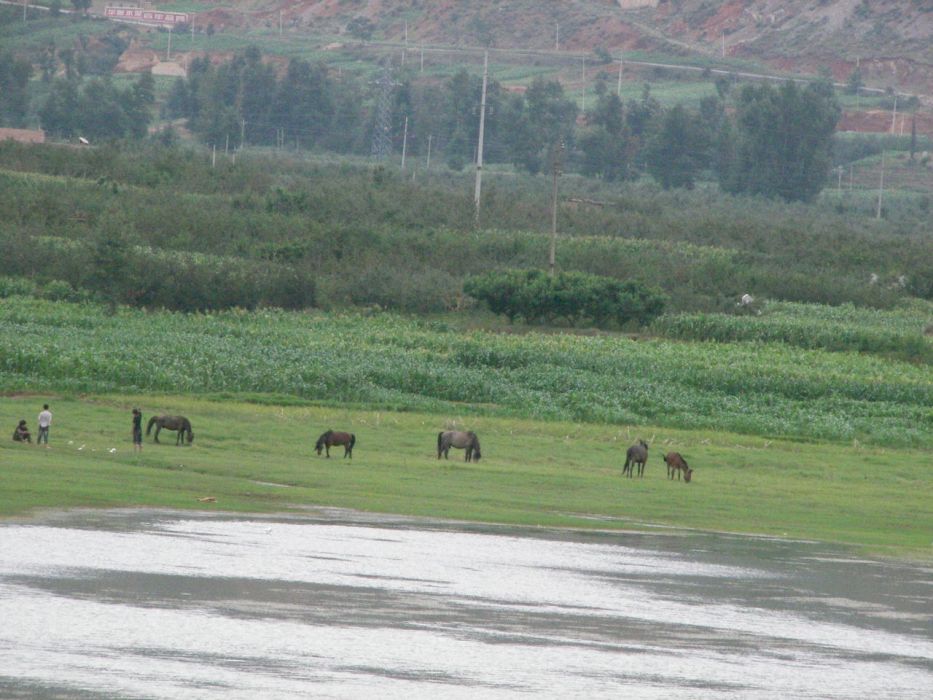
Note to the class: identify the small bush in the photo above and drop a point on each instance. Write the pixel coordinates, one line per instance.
(16, 286)
(570, 296)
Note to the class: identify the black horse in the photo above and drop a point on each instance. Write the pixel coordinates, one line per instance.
(459, 439)
(636, 455)
(348, 440)
(179, 423)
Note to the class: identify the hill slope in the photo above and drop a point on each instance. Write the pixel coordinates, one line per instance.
(891, 39)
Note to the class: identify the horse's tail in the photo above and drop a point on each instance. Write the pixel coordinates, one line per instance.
(476, 451)
(186, 426)
(152, 421)
(440, 443)
(352, 440)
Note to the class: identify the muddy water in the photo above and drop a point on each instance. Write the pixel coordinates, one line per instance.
(169, 605)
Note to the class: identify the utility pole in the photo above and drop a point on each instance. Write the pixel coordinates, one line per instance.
(584, 86)
(880, 188)
(894, 116)
(280, 23)
(428, 164)
(723, 44)
(242, 133)
(479, 149)
(168, 51)
(557, 36)
(25, 7)
(552, 254)
(382, 129)
(422, 58)
(404, 143)
(619, 89)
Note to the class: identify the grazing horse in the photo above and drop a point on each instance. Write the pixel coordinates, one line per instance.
(461, 440)
(676, 463)
(179, 423)
(636, 455)
(348, 440)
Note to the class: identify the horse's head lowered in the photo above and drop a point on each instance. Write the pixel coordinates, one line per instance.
(319, 445)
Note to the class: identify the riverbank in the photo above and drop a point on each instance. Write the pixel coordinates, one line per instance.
(248, 457)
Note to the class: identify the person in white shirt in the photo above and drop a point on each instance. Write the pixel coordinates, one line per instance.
(45, 420)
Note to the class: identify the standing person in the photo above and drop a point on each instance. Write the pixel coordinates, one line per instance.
(137, 430)
(45, 421)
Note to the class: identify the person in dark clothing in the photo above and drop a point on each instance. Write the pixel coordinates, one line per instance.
(137, 430)
(21, 434)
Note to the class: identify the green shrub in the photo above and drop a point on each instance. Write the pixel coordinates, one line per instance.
(16, 286)
(570, 296)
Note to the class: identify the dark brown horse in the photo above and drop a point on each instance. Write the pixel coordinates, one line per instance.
(179, 423)
(636, 455)
(464, 440)
(348, 440)
(676, 463)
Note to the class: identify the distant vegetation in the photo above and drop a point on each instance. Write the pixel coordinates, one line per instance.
(294, 233)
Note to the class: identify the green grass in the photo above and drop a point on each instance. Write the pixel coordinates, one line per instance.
(62, 32)
(532, 473)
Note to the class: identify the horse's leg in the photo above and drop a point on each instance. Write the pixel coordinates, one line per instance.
(327, 449)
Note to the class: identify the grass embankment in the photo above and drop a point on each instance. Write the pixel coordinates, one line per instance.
(532, 473)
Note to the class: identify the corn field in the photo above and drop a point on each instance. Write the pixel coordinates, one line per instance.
(772, 389)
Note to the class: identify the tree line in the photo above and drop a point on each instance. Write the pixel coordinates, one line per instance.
(774, 140)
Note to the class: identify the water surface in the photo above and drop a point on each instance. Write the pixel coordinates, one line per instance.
(156, 604)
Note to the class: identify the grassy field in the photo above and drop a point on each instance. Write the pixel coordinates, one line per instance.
(251, 457)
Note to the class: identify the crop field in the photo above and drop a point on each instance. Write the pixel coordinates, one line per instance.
(773, 390)
(899, 333)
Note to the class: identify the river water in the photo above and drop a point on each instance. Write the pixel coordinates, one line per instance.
(159, 604)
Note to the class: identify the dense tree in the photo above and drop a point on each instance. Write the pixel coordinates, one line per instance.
(679, 150)
(606, 145)
(57, 115)
(14, 89)
(98, 109)
(546, 117)
(304, 103)
(782, 143)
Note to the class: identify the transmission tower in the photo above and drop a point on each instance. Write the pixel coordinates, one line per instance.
(382, 125)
